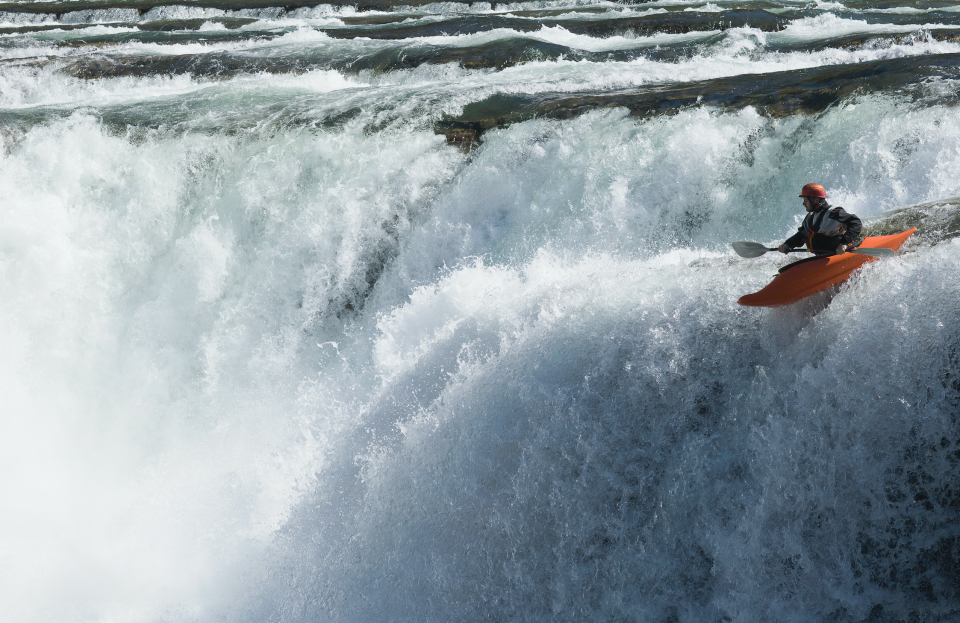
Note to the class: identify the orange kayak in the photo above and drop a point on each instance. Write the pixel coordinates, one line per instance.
(811, 276)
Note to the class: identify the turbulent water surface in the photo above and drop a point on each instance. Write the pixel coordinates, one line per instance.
(424, 312)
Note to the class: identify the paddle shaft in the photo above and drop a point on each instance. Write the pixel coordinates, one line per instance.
(871, 252)
(756, 249)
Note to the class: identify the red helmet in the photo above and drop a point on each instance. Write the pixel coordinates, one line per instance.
(813, 190)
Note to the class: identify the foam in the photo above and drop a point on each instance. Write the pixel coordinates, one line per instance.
(556, 420)
(134, 332)
(706, 8)
(94, 16)
(542, 320)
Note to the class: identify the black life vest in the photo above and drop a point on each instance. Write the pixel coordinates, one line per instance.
(825, 225)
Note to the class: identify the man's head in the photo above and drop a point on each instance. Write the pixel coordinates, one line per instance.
(814, 197)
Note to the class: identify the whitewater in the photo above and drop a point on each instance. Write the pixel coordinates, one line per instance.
(417, 311)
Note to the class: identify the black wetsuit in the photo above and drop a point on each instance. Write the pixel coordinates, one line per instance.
(837, 225)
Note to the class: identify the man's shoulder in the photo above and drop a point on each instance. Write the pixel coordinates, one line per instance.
(839, 211)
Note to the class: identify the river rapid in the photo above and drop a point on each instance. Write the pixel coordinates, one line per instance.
(427, 312)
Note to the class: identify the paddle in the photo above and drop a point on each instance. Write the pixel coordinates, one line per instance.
(755, 249)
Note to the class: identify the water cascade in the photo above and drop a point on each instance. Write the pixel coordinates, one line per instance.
(427, 312)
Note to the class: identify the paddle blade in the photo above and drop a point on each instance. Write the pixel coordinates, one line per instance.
(750, 249)
(875, 252)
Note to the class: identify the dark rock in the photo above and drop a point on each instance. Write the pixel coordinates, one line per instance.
(935, 221)
(805, 91)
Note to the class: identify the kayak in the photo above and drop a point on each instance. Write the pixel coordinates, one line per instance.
(809, 276)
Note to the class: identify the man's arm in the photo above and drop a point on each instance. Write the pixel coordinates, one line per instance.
(851, 223)
(793, 241)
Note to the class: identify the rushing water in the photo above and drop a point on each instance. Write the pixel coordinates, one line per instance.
(427, 312)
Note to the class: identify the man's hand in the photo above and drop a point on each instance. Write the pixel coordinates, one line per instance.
(783, 248)
(841, 249)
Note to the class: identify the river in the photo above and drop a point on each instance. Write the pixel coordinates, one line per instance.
(423, 312)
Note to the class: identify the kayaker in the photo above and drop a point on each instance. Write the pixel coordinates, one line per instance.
(826, 230)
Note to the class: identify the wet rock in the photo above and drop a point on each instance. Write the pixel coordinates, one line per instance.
(805, 91)
(226, 5)
(678, 23)
(231, 23)
(859, 42)
(495, 55)
(217, 65)
(935, 221)
(667, 23)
